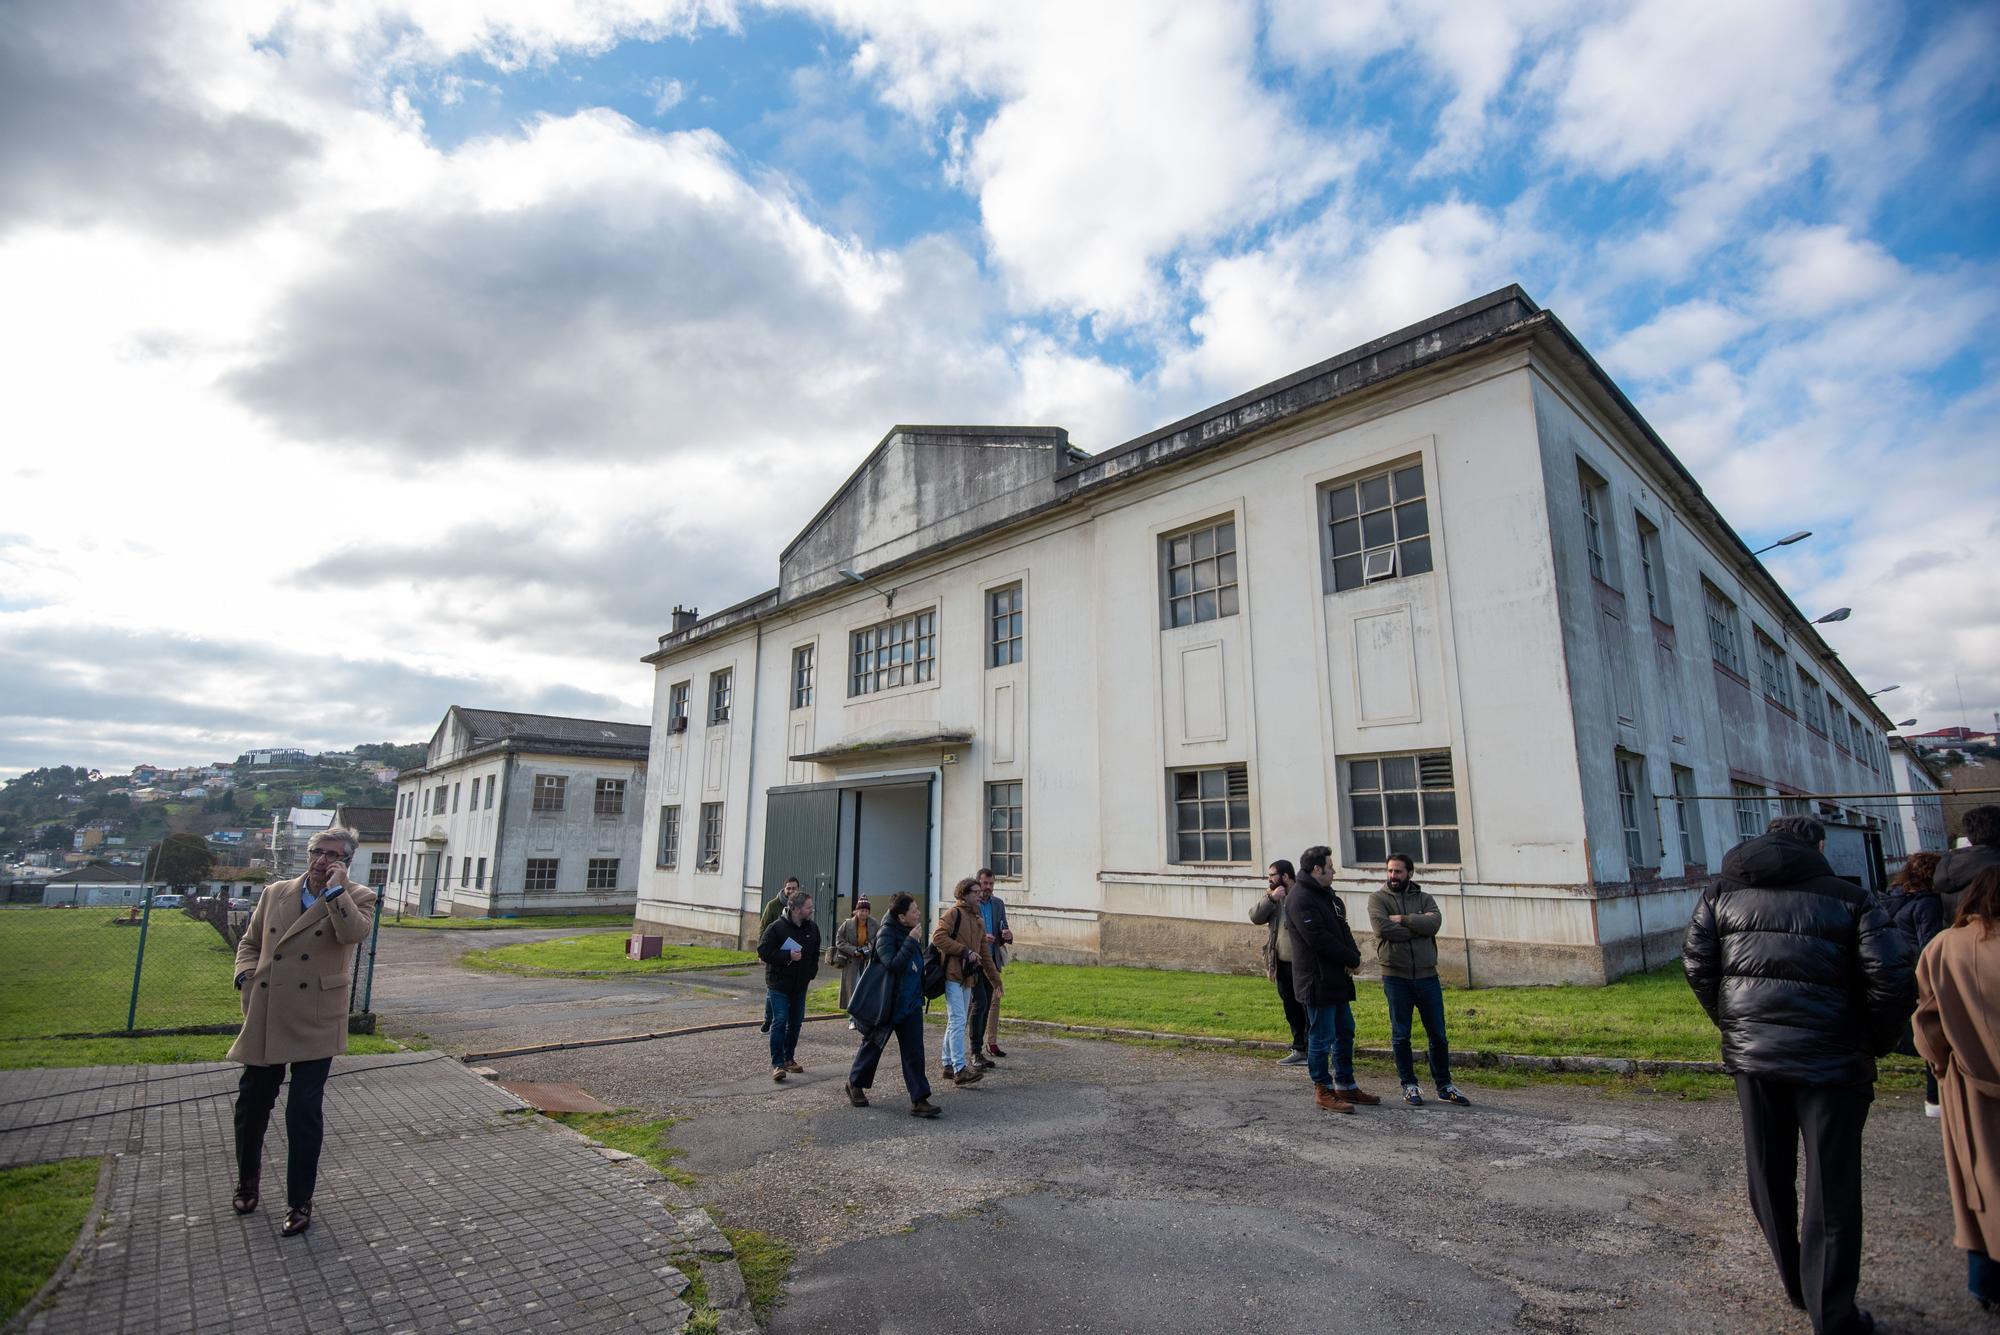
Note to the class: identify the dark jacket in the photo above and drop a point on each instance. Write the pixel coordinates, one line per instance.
(1955, 871)
(780, 973)
(892, 985)
(1406, 949)
(1323, 948)
(1270, 913)
(1919, 917)
(1807, 983)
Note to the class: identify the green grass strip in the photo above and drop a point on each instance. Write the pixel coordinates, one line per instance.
(632, 1131)
(766, 1262)
(602, 953)
(42, 1209)
(560, 923)
(157, 1050)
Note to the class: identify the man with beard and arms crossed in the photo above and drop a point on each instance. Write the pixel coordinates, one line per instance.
(1323, 951)
(1269, 911)
(1808, 986)
(1406, 922)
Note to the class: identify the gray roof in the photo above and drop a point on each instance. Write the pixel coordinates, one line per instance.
(98, 873)
(371, 823)
(496, 725)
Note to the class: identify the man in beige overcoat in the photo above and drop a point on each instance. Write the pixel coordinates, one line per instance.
(294, 966)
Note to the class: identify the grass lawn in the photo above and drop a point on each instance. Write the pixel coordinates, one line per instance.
(765, 1262)
(42, 1208)
(603, 953)
(502, 924)
(68, 971)
(632, 1131)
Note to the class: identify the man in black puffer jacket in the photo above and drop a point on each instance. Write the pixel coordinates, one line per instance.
(1808, 985)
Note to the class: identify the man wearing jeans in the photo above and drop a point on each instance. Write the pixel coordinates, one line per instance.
(1323, 953)
(790, 951)
(1406, 922)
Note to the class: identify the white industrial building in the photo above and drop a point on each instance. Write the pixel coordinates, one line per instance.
(1920, 825)
(519, 814)
(1446, 593)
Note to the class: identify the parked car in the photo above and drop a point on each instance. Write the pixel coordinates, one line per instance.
(166, 901)
(241, 905)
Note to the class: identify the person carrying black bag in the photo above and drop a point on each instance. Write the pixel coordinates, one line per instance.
(889, 999)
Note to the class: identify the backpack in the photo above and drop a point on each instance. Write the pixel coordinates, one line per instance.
(934, 967)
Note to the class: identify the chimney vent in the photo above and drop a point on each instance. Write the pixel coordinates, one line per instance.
(685, 617)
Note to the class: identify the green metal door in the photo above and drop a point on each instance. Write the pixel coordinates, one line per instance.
(802, 839)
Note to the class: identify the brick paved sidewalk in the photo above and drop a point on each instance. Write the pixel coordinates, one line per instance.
(442, 1204)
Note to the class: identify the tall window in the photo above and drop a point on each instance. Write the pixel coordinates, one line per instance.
(1403, 804)
(610, 798)
(491, 779)
(677, 706)
(1631, 808)
(1750, 812)
(601, 874)
(1722, 638)
(720, 686)
(1380, 527)
(1854, 736)
(540, 874)
(710, 852)
(378, 870)
(1653, 570)
(1592, 488)
(1212, 814)
(803, 664)
(894, 653)
(465, 873)
(454, 797)
(1003, 828)
(1003, 626)
(479, 874)
(1201, 574)
(1771, 669)
(1687, 814)
(550, 791)
(1809, 701)
(670, 836)
(1833, 728)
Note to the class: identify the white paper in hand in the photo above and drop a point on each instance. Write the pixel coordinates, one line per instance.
(792, 945)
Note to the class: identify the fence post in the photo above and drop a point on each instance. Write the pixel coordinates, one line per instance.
(139, 961)
(368, 996)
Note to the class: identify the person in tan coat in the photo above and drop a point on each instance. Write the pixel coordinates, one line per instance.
(1957, 1030)
(961, 938)
(294, 966)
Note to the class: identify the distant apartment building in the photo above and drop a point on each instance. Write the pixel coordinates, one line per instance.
(277, 756)
(520, 814)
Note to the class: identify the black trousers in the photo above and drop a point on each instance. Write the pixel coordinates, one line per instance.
(1295, 1010)
(975, 1019)
(909, 1034)
(305, 1125)
(1818, 1245)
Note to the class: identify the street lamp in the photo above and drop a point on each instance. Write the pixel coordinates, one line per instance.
(1906, 723)
(1837, 614)
(888, 595)
(1884, 691)
(1800, 536)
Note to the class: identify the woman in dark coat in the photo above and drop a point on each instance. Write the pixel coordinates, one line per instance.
(889, 999)
(1918, 913)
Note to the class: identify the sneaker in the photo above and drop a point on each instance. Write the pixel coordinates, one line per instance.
(924, 1108)
(795, 1068)
(981, 1064)
(1450, 1094)
(993, 1050)
(1933, 1110)
(855, 1095)
(1358, 1097)
(1413, 1096)
(1293, 1058)
(968, 1076)
(1325, 1098)
(778, 1073)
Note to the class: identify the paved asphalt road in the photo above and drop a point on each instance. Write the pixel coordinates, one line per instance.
(1101, 1186)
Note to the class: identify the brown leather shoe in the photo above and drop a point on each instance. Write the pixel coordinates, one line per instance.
(981, 1064)
(855, 1095)
(948, 1070)
(245, 1200)
(1331, 1102)
(924, 1108)
(1359, 1097)
(795, 1068)
(968, 1077)
(297, 1221)
(778, 1073)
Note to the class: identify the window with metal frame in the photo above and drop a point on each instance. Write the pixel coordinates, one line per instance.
(491, 781)
(1402, 804)
(1004, 829)
(721, 685)
(1593, 491)
(1379, 527)
(464, 873)
(601, 874)
(677, 705)
(1687, 814)
(551, 790)
(1751, 814)
(670, 837)
(1201, 573)
(539, 874)
(710, 852)
(1631, 811)
(1723, 641)
(1810, 702)
(610, 798)
(1003, 627)
(899, 652)
(803, 666)
(1771, 675)
(479, 874)
(1653, 570)
(1211, 814)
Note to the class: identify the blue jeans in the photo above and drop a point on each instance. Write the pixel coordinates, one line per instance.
(788, 1011)
(1426, 995)
(1330, 1029)
(957, 1001)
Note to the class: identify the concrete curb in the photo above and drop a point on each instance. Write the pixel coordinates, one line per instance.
(67, 1266)
(615, 1039)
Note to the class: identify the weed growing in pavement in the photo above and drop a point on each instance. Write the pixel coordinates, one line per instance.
(765, 1262)
(42, 1209)
(632, 1131)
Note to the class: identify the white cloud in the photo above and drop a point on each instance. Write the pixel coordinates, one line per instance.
(1676, 338)
(666, 94)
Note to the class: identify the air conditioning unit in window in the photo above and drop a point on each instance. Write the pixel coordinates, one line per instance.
(678, 723)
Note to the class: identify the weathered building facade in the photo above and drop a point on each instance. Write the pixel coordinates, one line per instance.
(520, 814)
(1446, 593)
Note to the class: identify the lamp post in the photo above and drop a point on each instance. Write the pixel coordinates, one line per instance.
(1906, 723)
(1837, 614)
(1800, 536)
(1884, 691)
(888, 595)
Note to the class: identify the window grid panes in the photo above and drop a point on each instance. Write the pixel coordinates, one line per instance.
(1003, 828)
(1003, 623)
(670, 836)
(1833, 721)
(720, 687)
(1687, 812)
(1749, 806)
(1201, 574)
(601, 874)
(711, 836)
(1384, 513)
(1653, 569)
(1403, 804)
(610, 797)
(895, 653)
(1593, 520)
(804, 662)
(540, 874)
(465, 874)
(1629, 812)
(1722, 640)
(1809, 699)
(1771, 669)
(677, 705)
(1212, 814)
(550, 790)
(479, 874)
(455, 788)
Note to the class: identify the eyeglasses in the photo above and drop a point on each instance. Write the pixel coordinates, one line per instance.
(319, 853)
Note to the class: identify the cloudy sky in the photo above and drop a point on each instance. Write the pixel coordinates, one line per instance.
(365, 358)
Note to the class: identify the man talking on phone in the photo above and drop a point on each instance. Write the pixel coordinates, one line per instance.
(294, 967)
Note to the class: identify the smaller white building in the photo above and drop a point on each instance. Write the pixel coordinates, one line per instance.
(96, 883)
(290, 834)
(1919, 827)
(377, 828)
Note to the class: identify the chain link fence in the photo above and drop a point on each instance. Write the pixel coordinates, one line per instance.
(161, 964)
